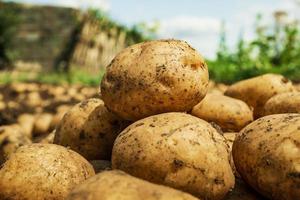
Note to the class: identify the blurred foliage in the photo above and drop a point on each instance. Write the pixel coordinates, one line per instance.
(275, 49)
(72, 77)
(135, 34)
(8, 23)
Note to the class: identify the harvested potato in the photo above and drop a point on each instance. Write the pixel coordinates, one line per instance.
(283, 103)
(42, 171)
(229, 113)
(115, 185)
(258, 90)
(89, 129)
(42, 124)
(11, 138)
(242, 191)
(26, 121)
(177, 150)
(154, 77)
(266, 153)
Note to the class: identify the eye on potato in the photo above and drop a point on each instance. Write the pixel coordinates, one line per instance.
(177, 150)
(115, 185)
(42, 171)
(154, 77)
(11, 138)
(283, 103)
(229, 113)
(258, 90)
(266, 154)
(89, 129)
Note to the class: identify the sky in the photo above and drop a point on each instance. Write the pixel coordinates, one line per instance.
(196, 21)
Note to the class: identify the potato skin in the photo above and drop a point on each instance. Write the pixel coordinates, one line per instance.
(283, 103)
(89, 129)
(258, 90)
(177, 150)
(42, 171)
(115, 185)
(266, 153)
(154, 77)
(229, 113)
(11, 138)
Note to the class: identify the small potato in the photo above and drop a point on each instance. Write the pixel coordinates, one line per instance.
(266, 154)
(258, 90)
(154, 77)
(229, 113)
(26, 121)
(11, 138)
(42, 124)
(116, 185)
(42, 171)
(89, 129)
(283, 103)
(177, 150)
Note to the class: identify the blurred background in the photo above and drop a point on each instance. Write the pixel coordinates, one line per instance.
(73, 40)
(53, 53)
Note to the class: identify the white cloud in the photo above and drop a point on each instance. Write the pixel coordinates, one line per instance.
(200, 32)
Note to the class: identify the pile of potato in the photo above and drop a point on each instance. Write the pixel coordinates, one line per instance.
(161, 130)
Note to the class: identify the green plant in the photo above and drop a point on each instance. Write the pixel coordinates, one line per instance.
(8, 26)
(275, 49)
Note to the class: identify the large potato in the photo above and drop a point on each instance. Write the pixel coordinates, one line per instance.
(154, 77)
(42, 171)
(229, 113)
(267, 155)
(116, 185)
(89, 129)
(258, 90)
(11, 138)
(283, 103)
(177, 150)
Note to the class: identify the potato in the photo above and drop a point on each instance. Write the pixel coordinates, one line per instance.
(89, 129)
(283, 103)
(242, 191)
(11, 138)
(229, 113)
(42, 124)
(177, 150)
(26, 121)
(258, 90)
(154, 77)
(266, 153)
(42, 171)
(116, 185)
